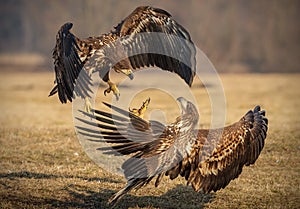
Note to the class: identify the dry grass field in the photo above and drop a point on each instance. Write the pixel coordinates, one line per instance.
(43, 165)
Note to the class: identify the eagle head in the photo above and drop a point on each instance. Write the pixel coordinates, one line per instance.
(188, 110)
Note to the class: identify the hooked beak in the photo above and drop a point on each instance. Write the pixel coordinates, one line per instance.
(128, 72)
(131, 76)
(183, 103)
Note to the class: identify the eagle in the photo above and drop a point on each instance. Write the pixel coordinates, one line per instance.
(208, 159)
(148, 37)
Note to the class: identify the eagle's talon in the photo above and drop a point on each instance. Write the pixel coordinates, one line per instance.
(107, 91)
(117, 96)
(112, 87)
(140, 112)
(87, 105)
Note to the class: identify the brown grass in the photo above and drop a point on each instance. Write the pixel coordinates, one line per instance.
(44, 166)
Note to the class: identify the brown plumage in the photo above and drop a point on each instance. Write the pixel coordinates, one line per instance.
(130, 46)
(207, 159)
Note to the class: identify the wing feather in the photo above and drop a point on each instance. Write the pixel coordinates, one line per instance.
(240, 144)
(212, 158)
(151, 145)
(68, 66)
(170, 48)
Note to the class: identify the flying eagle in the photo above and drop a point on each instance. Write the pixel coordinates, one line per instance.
(132, 45)
(207, 159)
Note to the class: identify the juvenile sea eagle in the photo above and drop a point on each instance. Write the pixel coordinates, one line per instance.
(207, 159)
(147, 37)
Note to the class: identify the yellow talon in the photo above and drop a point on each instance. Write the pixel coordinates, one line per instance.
(112, 87)
(140, 112)
(87, 105)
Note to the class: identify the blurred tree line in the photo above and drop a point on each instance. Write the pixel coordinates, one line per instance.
(236, 35)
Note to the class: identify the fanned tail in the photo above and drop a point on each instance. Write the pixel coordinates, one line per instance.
(131, 184)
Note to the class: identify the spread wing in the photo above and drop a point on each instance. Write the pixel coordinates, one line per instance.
(207, 159)
(169, 48)
(215, 161)
(153, 147)
(151, 37)
(68, 65)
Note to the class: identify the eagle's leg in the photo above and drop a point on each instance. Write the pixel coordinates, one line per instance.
(87, 105)
(112, 87)
(140, 112)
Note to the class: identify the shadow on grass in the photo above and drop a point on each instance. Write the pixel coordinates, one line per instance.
(31, 175)
(176, 198)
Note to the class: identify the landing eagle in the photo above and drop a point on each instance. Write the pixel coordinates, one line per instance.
(207, 159)
(148, 37)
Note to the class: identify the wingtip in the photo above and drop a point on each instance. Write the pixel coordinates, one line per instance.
(191, 81)
(257, 108)
(53, 91)
(67, 26)
(107, 104)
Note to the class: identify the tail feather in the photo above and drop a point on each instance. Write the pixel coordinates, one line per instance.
(132, 184)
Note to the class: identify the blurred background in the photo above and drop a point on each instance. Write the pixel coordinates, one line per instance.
(42, 163)
(236, 35)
